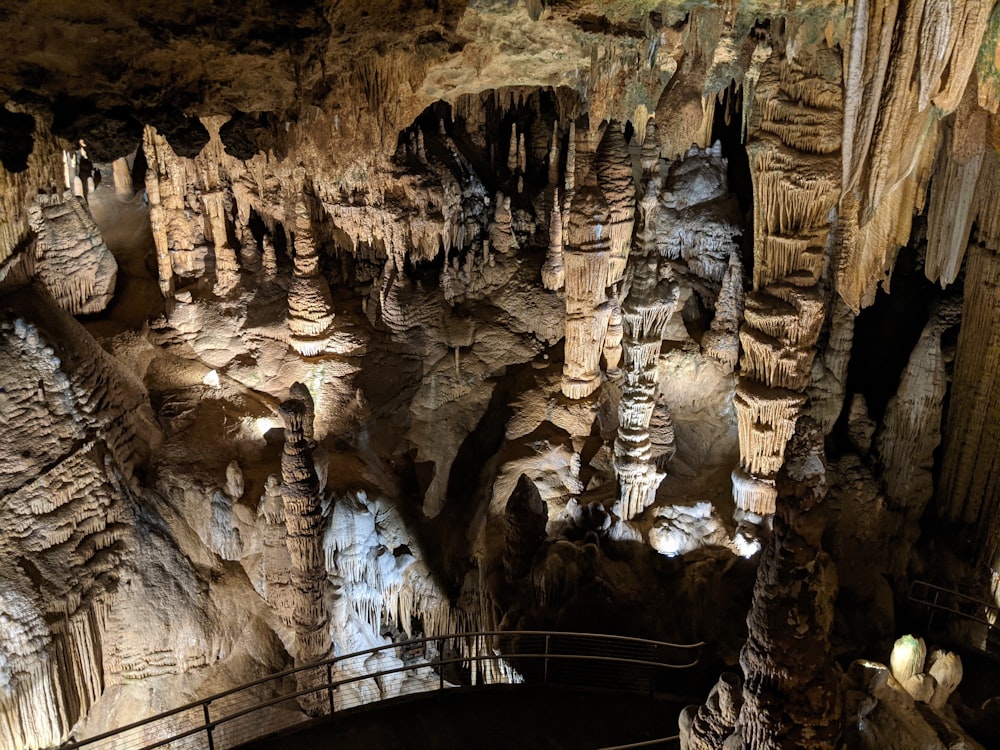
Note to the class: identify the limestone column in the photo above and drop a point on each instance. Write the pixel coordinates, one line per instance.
(587, 260)
(794, 151)
(227, 270)
(969, 489)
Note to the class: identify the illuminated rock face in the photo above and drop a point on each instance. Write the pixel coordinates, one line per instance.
(793, 144)
(545, 293)
(72, 261)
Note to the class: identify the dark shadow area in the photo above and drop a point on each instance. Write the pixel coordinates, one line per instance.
(109, 133)
(246, 134)
(497, 717)
(727, 128)
(886, 332)
(17, 140)
(186, 135)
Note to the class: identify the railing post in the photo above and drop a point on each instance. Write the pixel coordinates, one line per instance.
(208, 726)
(545, 675)
(441, 665)
(933, 607)
(329, 684)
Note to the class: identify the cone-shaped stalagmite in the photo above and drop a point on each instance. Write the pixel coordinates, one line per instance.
(304, 521)
(649, 306)
(524, 522)
(310, 313)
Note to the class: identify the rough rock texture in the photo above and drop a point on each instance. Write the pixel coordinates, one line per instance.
(648, 307)
(71, 260)
(303, 521)
(971, 470)
(524, 517)
(455, 231)
(793, 144)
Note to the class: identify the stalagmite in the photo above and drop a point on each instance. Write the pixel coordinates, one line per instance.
(524, 522)
(300, 392)
(122, 173)
(650, 304)
(234, 480)
(512, 150)
(303, 521)
(613, 338)
(911, 429)
(708, 727)
(501, 233)
(269, 261)
(554, 269)
(722, 341)
(310, 313)
(792, 694)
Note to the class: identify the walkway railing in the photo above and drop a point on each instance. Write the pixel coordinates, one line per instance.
(957, 604)
(282, 700)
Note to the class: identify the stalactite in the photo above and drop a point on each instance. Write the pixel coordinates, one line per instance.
(901, 76)
(227, 270)
(953, 206)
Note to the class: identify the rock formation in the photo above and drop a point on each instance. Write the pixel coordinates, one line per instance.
(791, 695)
(544, 363)
(793, 144)
(303, 521)
(587, 258)
(650, 303)
(71, 260)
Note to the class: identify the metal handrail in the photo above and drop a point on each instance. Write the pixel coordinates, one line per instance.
(958, 595)
(209, 724)
(647, 743)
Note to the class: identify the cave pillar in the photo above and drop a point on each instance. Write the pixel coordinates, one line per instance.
(587, 260)
(310, 305)
(227, 270)
(794, 150)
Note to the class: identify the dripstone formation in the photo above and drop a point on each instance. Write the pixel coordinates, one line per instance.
(330, 326)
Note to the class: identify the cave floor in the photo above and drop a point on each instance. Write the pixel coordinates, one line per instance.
(499, 717)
